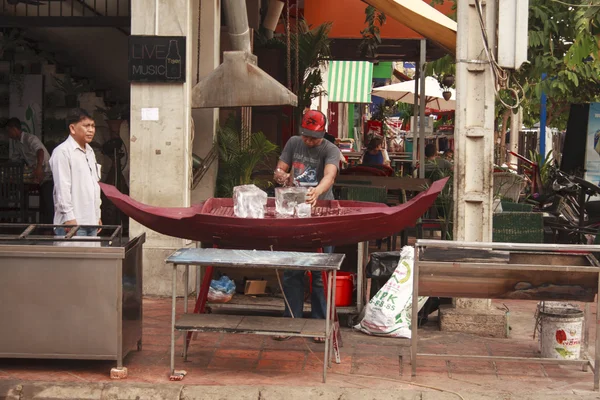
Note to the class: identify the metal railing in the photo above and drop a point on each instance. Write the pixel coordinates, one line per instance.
(65, 13)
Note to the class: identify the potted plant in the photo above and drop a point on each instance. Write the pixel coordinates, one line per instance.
(237, 162)
(71, 89)
(114, 116)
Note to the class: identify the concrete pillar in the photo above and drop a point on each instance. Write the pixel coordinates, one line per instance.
(473, 169)
(206, 119)
(160, 150)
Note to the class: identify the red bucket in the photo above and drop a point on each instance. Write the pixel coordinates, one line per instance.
(344, 286)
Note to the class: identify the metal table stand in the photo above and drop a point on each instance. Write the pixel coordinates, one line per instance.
(459, 269)
(271, 326)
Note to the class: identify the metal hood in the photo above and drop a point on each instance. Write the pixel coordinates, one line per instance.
(238, 81)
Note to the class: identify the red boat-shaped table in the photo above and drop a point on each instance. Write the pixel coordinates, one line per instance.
(334, 222)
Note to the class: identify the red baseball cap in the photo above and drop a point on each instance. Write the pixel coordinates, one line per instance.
(313, 124)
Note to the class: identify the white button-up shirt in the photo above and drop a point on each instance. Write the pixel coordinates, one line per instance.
(76, 190)
(27, 148)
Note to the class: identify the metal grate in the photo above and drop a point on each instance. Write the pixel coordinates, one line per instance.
(84, 13)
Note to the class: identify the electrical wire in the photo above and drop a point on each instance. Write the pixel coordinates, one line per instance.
(501, 77)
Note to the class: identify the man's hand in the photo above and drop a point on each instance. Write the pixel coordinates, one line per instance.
(312, 195)
(280, 176)
(99, 223)
(38, 174)
(69, 222)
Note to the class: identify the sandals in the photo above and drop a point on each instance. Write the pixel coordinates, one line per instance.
(319, 339)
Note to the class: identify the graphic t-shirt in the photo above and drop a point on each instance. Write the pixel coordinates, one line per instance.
(308, 163)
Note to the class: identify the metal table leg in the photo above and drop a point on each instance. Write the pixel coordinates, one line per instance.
(335, 348)
(597, 350)
(415, 314)
(360, 270)
(173, 306)
(327, 328)
(185, 308)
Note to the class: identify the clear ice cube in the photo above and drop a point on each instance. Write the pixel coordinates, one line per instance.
(286, 200)
(249, 201)
(303, 210)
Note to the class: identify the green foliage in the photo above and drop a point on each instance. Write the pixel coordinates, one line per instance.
(238, 162)
(563, 45)
(115, 112)
(442, 66)
(545, 166)
(314, 52)
(371, 34)
(70, 86)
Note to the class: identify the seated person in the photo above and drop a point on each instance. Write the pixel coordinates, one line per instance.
(449, 155)
(435, 167)
(375, 153)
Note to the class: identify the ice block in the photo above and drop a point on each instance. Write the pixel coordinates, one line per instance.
(249, 201)
(286, 200)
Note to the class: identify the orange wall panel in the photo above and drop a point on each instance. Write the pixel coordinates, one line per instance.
(348, 17)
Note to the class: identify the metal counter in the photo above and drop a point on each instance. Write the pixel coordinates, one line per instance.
(76, 299)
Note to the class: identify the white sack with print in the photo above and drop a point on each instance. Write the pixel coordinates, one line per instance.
(389, 311)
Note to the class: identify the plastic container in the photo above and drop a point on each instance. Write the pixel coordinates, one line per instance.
(561, 329)
(344, 286)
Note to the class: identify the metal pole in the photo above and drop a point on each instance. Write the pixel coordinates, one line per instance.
(422, 101)
(543, 123)
(173, 308)
(415, 113)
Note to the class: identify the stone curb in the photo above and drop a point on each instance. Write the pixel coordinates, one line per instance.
(32, 390)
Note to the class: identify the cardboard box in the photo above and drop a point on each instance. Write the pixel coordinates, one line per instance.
(255, 287)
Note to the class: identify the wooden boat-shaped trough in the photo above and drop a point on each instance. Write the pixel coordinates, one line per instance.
(334, 222)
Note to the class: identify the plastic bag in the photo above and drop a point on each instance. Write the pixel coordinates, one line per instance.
(389, 311)
(216, 296)
(221, 290)
(223, 284)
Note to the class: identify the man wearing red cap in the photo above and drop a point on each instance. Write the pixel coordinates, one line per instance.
(314, 160)
(314, 163)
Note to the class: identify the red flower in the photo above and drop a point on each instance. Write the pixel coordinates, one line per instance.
(561, 336)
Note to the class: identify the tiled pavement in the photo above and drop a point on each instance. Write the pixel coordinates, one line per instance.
(367, 362)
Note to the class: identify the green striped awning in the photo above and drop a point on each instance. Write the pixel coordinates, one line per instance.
(350, 81)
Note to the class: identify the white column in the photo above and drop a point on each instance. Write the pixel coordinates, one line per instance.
(474, 128)
(160, 150)
(473, 169)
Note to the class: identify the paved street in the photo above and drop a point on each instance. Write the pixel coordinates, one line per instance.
(242, 366)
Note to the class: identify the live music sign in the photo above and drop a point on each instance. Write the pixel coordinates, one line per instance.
(157, 59)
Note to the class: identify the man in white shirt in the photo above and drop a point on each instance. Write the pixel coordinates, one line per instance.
(30, 149)
(76, 175)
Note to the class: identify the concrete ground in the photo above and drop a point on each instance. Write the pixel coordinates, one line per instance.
(229, 366)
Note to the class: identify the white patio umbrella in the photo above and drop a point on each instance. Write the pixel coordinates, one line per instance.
(405, 92)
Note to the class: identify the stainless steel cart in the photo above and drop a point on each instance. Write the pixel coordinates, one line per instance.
(69, 297)
(498, 271)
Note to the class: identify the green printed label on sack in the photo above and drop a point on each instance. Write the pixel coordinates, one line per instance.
(403, 272)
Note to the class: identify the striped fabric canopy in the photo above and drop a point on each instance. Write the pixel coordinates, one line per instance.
(350, 81)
